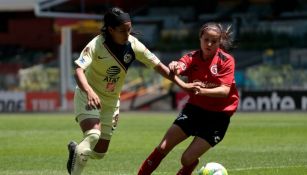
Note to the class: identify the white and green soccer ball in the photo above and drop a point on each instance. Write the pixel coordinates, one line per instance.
(212, 168)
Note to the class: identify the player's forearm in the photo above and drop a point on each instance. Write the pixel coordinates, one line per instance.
(82, 81)
(179, 82)
(165, 72)
(221, 91)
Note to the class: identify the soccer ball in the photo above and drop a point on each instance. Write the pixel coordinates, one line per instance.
(212, 168)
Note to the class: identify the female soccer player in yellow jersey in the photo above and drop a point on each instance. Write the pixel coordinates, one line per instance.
(100, 74)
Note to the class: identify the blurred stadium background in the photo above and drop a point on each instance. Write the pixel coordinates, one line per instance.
(40, 39)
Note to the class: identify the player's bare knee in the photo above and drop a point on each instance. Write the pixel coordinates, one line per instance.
(164, 148)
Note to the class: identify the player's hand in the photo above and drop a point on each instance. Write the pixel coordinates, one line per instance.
(197, 87)
(197, 90)
(93, 101)
(189, 87)
(174, 67)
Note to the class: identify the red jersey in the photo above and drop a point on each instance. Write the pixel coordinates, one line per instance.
(212, 73)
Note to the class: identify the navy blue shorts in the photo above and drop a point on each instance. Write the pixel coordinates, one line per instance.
(209, 125)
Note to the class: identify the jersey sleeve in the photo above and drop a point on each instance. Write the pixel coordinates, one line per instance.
(86, 56)
(143, 55)
(184, 63)
(226, 74)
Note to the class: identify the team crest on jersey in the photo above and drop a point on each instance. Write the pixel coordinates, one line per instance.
(127, 58)
(213, 69)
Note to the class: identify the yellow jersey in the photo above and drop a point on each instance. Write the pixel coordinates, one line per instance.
(106, 64)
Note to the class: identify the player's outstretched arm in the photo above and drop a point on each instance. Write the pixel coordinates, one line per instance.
(220, 91)
(165, 72)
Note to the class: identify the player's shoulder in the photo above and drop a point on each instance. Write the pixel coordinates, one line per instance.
(96, 41)
(97, 38)
(192, 54)
(133, 40)
(188, 58)
(224, 56)
(136, 45)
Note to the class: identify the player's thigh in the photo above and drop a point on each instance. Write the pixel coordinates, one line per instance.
(81, 107)
(173, 136)
(87, 118)
(196, 149)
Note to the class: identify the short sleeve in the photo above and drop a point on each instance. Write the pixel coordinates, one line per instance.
(143, 55)
(86, 56)
(226, 73)
(184, 63)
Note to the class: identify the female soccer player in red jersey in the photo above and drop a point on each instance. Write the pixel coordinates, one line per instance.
(206, 115)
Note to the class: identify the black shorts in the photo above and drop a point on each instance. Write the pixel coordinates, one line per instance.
(209, 125)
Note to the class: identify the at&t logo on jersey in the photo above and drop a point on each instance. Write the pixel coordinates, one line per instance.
(112, 77)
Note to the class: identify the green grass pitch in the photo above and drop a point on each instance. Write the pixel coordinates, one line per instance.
(255, 144)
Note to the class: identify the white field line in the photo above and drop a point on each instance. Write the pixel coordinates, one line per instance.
(266, 167)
